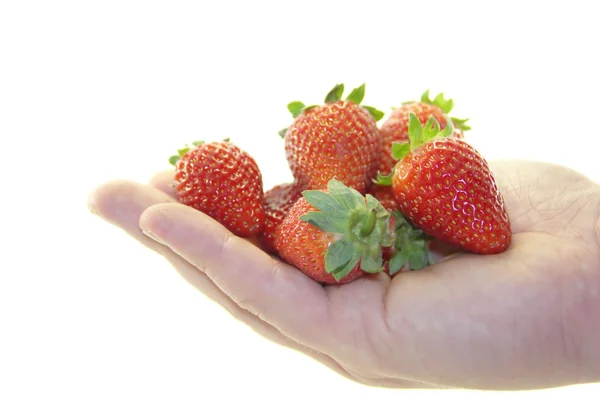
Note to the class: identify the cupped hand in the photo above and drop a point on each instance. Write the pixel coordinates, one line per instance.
(524, 319)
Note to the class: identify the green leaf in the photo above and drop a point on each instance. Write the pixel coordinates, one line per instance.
(388, 239)
(432, 128)
(380, 233)
(338, 255)
(374, 204)
(335, 94)
(198, 143)
(439, 101)
(282, 132)
(415, 131)
(183, 151)
(357, 95)
(310, 107)
(385, 238)
(384, 233)
(399, 218)
(384, 180)
(400, 150)
(323, 201)
(327, 223)
(343, 272)
(448, 130)
(461, 124)
(371, 264)
(417, 255)
(425, 97)
(348, 197)
(173, 160)
(296, 108)
(411, 243)
(397, 262)
(445, 105)
(375, 113)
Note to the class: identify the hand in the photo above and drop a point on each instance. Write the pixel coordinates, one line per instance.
(524, 319)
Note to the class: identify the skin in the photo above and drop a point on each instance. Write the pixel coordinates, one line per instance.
(524, 319)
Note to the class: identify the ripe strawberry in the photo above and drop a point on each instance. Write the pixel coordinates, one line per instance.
(337, 140)
(222, 181)
(278, 201)
(335, 235)
(445, 187)
(395, 128)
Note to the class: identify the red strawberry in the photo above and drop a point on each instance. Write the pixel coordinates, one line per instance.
(335, 235)
(395, 128)
(337, 140)
(224, 182)
(445, 187)
(278, 201)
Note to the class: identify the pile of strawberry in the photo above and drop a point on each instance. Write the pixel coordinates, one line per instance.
(365, 199)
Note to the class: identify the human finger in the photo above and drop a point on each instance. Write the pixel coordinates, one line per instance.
(122, 202)
(272, 290)
(163, 181)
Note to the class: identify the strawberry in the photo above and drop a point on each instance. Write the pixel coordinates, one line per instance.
(278, 201)
(335, 235)
(222, 181)
(444, 187)
(339, 139)
(395, 128)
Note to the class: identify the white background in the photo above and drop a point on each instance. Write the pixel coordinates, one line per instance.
(96, 90)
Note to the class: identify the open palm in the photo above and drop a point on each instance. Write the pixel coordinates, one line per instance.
(526, 318)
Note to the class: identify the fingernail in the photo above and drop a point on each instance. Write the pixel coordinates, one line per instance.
(155, 238)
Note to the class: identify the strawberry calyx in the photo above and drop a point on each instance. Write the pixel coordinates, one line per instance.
(411, 246)
(418, 135)
(439, 101)
(337, 92)
(356, 96)
(360, 227)
(446, 105)
(182, 151)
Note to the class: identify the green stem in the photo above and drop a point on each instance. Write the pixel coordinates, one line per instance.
(369, 225)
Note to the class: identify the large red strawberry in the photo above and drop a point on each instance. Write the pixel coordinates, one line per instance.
(223, 181)
(445, 187)
(278, 202)
(395, 127)
(338, 140)
(335, 235)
